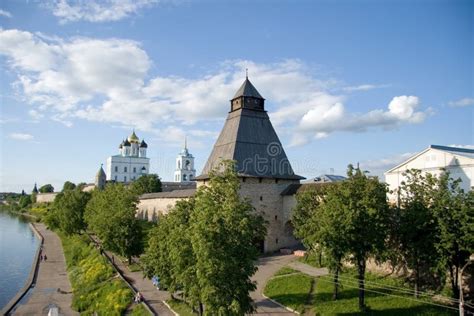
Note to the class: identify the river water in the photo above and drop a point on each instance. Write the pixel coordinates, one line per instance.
(18, 246)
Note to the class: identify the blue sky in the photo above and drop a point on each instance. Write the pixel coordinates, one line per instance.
(344, 81)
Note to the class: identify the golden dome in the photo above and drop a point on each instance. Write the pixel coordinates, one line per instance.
(133, 138)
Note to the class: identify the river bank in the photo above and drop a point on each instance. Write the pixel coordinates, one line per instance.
(18, 251)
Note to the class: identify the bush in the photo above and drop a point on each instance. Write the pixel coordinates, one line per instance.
(95, 285)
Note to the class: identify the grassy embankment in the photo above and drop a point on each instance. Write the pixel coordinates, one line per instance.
(297, 291)
(96, 286)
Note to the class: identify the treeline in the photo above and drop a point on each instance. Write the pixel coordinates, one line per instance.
(430, 230)
(109, 213)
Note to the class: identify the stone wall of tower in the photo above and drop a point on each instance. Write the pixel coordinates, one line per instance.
(265, 197)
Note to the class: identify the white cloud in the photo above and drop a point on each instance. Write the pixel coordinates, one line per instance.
(97, 11)
(326, 118)
(462, 102)
(5, 14)
(379, 166)
(21, 136)
(363, 87)
(107, 80)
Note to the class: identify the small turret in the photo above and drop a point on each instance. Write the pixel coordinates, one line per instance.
(100, 178)
(35, 189)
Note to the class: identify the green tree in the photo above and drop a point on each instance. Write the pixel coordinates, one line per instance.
(148, 183)
(320, 225)
(68, 186)
(156, 261)
(68, 209)
(364, 200)
(170, 254)
(25, 201)
(454, 212)
(110, 213)
(47, 188)
(417, 234)
(224, 228)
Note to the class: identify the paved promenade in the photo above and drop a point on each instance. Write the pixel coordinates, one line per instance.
(267, 267)
(52, 284)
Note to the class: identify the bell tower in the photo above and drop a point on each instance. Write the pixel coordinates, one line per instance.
(185, 171)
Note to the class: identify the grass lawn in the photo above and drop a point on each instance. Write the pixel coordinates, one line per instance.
(294, 291)
(181, 308)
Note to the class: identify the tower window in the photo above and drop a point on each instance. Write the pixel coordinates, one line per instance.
(185, 178)
(125, 179)
(134, 170)
(260, 180)
(243, 179)
(276, 241)
(261, 198)
(116, 169)
(124, 169)
(276, 217)
(115, 178)
(276, 180)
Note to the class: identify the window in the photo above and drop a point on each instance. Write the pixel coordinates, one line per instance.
(190, 177)
(125, 179)
(276, 241)
(276, 180)
(116, 169)
(124, 169)
(243, 179)
(134, 169)
(276, 217)
(188, 165)
(185, 178)
(261, 198)
(115, 178)
(260, 180)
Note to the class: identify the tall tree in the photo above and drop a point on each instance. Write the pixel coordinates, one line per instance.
(365, 202)
(148, 183)
(68, 209)
(224, 228)
(418, 230)
(68, 185)
(454, 211)
(320, 225)
(47, 188)
(111, 215)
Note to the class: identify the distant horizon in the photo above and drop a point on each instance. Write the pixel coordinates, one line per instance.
(344, 82)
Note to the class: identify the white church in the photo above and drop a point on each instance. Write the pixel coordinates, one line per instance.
(185, 171)
(130, 163)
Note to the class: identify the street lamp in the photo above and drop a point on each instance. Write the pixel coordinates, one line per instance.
(461, 298)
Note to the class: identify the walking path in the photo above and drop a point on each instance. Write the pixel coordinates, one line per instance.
(152, 297)
(52, 283)
(267, 267)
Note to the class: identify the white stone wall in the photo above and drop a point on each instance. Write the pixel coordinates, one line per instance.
(432, 161)
(150, 208)
(45, 197)
(134, 167)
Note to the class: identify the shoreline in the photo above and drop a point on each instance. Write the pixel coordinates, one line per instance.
(31, 277)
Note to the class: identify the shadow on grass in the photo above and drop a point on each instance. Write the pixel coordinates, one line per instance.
(414, 310)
